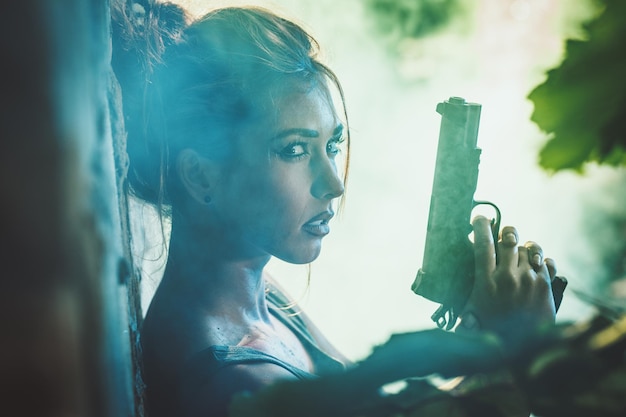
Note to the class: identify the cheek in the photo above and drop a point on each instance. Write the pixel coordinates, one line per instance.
(280, 197)
(268, 199)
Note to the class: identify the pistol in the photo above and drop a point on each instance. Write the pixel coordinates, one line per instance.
(447, 272)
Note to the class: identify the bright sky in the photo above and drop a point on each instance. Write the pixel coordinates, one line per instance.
(359, 291)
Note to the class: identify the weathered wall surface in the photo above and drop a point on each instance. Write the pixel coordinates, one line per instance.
(64, 340)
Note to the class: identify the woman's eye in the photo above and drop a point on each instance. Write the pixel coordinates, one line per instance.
(294, 150)
(334, 146)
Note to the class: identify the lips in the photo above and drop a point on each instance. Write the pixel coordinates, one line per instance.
(318, 225)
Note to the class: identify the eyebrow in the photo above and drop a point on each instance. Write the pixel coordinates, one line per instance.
(308, 133)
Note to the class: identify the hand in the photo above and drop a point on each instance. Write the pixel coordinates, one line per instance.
(512, 288)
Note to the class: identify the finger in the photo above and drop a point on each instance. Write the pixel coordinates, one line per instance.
(523, 256)
(526, 259)
(551, 267)
(508, 236)
(484, 248)
(535, 255)
(507, 247)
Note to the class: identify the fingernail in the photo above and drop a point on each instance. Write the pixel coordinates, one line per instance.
(536, 259)
(510, 238)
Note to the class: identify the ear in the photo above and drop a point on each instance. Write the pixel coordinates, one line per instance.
(194, 172)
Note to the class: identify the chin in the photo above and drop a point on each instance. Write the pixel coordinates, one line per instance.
(301, 257)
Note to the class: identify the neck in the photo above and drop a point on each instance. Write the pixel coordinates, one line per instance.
(215, 273)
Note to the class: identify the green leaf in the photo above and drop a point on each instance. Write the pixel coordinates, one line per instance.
(582, 103)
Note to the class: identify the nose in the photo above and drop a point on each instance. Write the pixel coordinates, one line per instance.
(327, 184)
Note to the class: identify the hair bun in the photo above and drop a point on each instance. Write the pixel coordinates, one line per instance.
(146, 28)
(141, 30)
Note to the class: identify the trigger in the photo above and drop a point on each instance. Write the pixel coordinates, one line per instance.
(495, 230)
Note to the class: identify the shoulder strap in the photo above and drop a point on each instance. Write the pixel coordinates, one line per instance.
(203, 365)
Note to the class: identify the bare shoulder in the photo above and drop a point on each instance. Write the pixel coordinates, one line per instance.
(214, 397)
(318, 336)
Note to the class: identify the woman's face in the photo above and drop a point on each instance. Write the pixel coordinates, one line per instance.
(276, 195)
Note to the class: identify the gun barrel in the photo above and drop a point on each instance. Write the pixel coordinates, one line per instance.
(447, 272)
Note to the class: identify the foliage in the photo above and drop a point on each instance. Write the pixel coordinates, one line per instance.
(582, 103)
(401, 19)
(567, 370)
(604, 231)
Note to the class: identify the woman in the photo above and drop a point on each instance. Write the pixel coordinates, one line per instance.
(237, 138)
